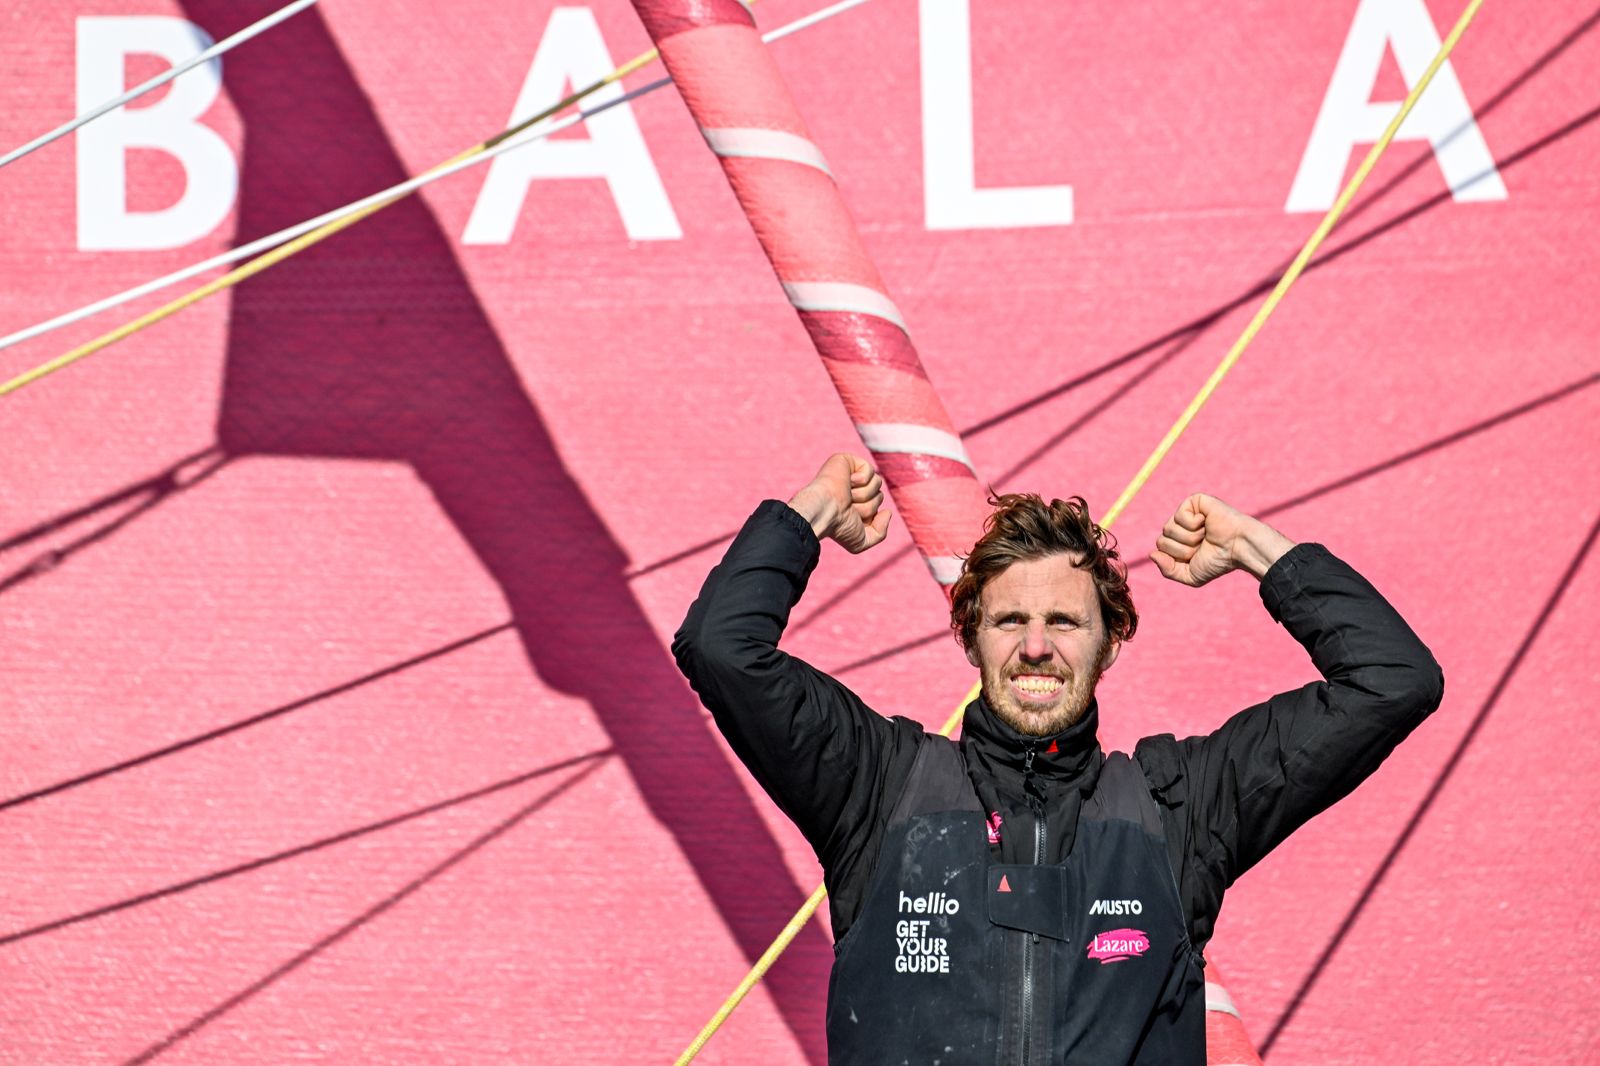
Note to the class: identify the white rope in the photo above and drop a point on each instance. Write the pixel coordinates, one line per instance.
(160, 79)
(805, 22)
(285, 235)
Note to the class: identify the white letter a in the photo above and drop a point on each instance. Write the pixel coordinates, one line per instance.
(572, 50)
(1348, 118)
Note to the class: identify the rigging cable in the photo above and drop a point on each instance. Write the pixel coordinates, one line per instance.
(285, 243)
(159, 80)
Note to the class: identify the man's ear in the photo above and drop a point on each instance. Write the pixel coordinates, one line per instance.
(1109, 656)
(972, 655)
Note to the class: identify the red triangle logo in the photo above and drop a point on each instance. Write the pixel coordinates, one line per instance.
(1005, 886)
(1052, 749)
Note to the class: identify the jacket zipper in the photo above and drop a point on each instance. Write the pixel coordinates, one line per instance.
(1033, 938)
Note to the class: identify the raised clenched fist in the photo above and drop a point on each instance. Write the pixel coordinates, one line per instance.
(844, 501)
(1206, 538)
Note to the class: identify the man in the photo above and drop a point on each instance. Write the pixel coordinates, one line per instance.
(1024, 897)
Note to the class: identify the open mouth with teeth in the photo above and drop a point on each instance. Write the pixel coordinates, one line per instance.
(1038, 688)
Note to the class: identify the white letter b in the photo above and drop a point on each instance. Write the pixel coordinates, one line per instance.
(171, 126)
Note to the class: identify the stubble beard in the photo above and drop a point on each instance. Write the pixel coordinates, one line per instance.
(1039, 722)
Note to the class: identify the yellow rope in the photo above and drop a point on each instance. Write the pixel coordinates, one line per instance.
(778, 946)
(804, 914)
(759, 970)
(1293, 272)
(301, 243)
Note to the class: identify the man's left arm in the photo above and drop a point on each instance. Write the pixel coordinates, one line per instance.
(1273, 767)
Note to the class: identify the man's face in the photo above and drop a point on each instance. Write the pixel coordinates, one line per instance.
(1041, 644)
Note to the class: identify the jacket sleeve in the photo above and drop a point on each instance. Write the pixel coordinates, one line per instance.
(828, 760)
(1233, 796)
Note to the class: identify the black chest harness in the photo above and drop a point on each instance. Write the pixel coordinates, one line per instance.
(961, 960)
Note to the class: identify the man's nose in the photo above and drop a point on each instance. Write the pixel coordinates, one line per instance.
(1035, 648)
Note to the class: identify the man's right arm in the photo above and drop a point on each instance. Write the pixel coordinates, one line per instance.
(825, 758)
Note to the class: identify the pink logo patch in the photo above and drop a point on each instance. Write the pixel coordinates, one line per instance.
(1115, 945)
(994, 827)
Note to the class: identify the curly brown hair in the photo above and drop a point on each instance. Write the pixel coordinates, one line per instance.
(1023, 527)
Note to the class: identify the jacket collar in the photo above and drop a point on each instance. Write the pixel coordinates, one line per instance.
(1072, 755)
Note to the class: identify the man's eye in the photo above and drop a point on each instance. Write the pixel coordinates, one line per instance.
(1009, 623)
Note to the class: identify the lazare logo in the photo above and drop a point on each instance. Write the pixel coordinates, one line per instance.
(932, 903)
(1117, 945)
(1117, 906)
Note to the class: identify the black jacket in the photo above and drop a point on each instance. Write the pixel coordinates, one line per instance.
(836, 767)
